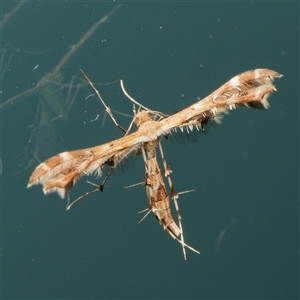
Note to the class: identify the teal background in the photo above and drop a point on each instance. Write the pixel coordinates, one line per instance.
(246, 170)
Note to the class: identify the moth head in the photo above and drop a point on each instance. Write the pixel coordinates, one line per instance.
(141, 117)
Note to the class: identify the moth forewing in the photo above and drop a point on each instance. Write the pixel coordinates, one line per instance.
(250, 89)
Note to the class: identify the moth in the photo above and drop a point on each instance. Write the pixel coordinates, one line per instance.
(62, 171)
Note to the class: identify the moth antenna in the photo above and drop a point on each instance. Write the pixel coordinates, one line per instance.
(132, 99)
(139, 104)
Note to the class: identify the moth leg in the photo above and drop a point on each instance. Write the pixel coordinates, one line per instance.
(174, 196)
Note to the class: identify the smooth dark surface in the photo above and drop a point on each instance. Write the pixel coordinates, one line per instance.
(245, 172)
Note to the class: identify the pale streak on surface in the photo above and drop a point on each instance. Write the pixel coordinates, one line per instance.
(222, 234)
(7, 16)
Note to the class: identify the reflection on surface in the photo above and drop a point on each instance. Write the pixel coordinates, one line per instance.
(55, 95)
(6, 17)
